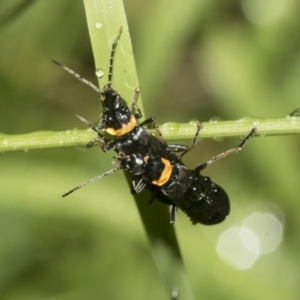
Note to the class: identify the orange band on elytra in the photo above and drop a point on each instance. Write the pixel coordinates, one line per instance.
(123, 130)
(165, 174)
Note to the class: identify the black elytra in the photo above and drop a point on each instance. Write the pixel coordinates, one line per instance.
(171, 183)
(200, 198)
(151, 161)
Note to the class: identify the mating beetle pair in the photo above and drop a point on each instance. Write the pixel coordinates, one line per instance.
(153, 163)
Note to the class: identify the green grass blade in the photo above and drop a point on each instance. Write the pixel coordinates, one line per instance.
(104, 20)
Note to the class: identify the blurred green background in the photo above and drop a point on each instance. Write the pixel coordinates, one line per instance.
(195, 60)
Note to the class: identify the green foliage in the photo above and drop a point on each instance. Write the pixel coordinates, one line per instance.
(195, 60)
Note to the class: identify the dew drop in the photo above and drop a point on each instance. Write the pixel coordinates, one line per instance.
(98, 25)
(5, 142)
(99, 73)
(194, 122)
(174, 294)
(81, 148)
(169, 126)
(215, 120)
(218, 139)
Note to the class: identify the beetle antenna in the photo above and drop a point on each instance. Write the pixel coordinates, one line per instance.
(79, 77)
(93, 180)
